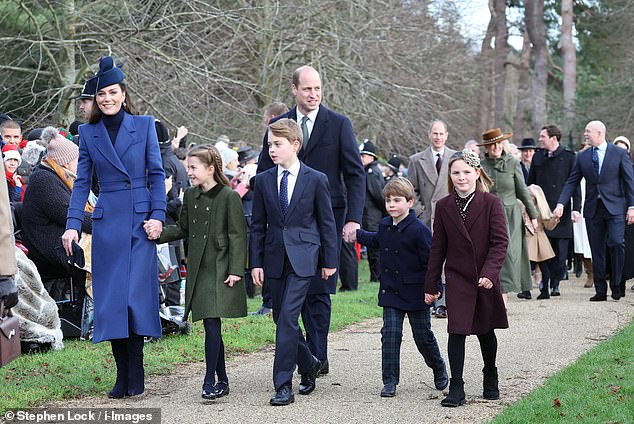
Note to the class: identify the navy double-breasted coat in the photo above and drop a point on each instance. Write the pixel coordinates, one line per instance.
(132, 190)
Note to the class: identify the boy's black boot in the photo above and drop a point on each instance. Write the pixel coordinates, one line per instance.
(456, 396)
(491, 390)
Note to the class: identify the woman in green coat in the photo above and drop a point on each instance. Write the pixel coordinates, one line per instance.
(213, 222)
(509, 186)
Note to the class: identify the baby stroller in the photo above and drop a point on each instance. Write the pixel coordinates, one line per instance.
(169, 273)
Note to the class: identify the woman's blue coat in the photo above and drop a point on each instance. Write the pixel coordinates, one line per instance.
(132, 189)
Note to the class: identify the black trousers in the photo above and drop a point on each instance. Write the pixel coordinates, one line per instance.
(556, 267)
(348, 267)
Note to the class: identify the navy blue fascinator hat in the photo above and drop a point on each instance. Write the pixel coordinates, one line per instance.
(108, 74)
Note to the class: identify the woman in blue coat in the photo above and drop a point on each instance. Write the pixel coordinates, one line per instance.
(123, 150)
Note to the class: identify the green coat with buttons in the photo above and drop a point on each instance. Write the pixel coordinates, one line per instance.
(213, 223)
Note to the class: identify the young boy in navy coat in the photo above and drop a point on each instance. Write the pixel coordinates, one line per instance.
(293, 233)
(404, 242)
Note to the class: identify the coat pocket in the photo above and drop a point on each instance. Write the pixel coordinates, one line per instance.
(223, 242)
(310, 238)
(142, 207)
(97, 213)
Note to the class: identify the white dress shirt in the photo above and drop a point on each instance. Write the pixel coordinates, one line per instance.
(310, 123)
(291, 179)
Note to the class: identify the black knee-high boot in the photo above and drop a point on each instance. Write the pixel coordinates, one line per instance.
(488, 347)
(136, 373)
(120, 353)
(456, 350)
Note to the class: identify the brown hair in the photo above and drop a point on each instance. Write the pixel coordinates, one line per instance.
(288, 129)
(128, 106)
(274, 109)
(482, 183)
(10, 124)
(298, 72)
(210, 156)
(401, 187)
(553, 131)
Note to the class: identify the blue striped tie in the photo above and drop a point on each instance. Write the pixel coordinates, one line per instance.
(595, 159)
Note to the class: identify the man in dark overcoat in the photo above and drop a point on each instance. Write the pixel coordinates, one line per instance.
(549, 169)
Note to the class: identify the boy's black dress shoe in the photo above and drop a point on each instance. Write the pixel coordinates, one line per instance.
(441, 380)
(389, 390)
(221, 389)
(208, 394)
(284, 396)
(307, 384)
(555, 292)
(598, 298)
(543, 295)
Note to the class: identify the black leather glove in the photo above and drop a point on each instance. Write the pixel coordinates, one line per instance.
(8, 292)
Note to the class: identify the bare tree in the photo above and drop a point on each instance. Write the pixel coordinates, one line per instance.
(569, 55)
(536, 30)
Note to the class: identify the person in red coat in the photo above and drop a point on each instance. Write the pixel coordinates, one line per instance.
(470, 224)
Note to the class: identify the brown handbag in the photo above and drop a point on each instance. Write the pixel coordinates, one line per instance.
(9, 336)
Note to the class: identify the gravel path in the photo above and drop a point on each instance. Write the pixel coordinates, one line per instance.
(544, 336)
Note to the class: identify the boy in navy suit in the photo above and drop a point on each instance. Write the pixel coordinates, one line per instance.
(403, 242)
(293, 233)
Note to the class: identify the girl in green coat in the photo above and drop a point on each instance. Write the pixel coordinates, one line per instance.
(213, 222)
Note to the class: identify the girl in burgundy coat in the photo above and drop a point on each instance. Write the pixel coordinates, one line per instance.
(470, 224)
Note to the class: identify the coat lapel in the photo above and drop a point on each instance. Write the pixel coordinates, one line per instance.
(451, 210)
(300, 183)
(126, 135)
(104, 145)
(319, 128)
(429, 165)
(475, 209)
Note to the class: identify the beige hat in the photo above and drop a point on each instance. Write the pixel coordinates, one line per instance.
(494, 135)
(60, 149)
(623, 140)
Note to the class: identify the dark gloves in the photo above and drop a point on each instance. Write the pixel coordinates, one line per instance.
(8, 292)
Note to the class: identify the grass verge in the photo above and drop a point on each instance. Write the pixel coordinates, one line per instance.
(86, 369)
(597, 388)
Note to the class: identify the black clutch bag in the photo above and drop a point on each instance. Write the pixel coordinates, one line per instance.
(76, 259)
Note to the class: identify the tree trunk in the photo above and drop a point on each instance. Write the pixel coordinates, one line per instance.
(500, 55)
(537, 32)
(569, 55)
(486, 99)
(522, 110)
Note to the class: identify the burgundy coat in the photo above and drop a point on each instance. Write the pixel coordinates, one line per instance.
(470, 250)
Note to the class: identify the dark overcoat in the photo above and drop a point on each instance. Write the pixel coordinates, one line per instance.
(404, 251)
(551, 173)
(132, 190)
(331, 149)
(213, 223)
(374, 208)
(469, 250)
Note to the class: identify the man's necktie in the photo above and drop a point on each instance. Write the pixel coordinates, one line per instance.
(438, 163)
(284, 193)
(595, 159)
(305, 132)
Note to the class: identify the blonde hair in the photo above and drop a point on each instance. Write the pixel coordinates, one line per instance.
(540, 202)
(209, 156)
(288, 129)
(399, 187)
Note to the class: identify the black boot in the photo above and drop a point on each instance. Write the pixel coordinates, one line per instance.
(456, 396)
(120, 353)
(136, 373)
(491, 390)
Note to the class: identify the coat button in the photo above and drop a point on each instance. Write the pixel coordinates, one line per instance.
(193, 235)
(387, 249)
(396, 251)
(204, 236)
(207, 208)
(385, 270)
(285, 228)
(382, 291)
(194, 221)
(206, 222)
(195, 206)
(396, 272)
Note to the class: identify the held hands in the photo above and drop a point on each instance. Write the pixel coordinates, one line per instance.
(326, 273)
(485, 283)
(232, 279)
(257, 275)
(68, 238)
(431, 298)
(559, 211)
(350, 231)
(153, 228)
(576, 216)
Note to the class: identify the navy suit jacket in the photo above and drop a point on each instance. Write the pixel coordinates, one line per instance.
(614, 185)
(307, 234)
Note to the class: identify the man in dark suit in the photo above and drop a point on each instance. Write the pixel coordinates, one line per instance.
(292, 234)
(331, 148)
(609, 204)
(549, 169)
